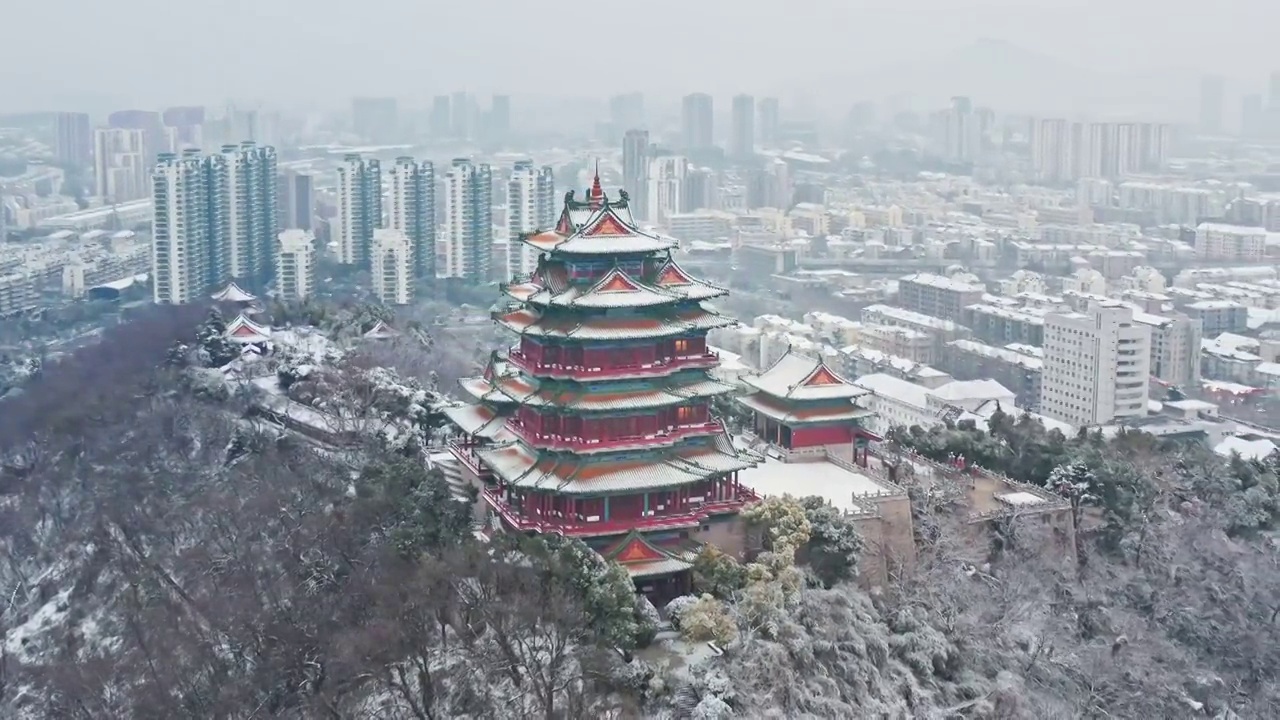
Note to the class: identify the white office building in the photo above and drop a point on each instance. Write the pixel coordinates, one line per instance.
(392, 274)
(531, 206)
(1096, 365)
(295, 264)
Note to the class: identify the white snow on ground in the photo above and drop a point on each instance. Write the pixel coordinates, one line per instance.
(51, 613)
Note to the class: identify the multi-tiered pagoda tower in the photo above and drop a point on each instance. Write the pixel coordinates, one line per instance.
(596, 424)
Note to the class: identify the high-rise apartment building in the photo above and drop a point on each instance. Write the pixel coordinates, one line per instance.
(1212, 95)
(1063, 151)
(392, 269)
(1154, 142)
(73, 141)
(441, 118)
(697, 122)
(375, 119)
(742, 140)
(770, 122)
(297, 200)
(666, 187)
(412, 210)
(462, 107)
(215, 220)
(635, 171)
(626, 111)
(468, 221)
(1052, 159)
(119, 165)
(1088, 144)
(1096, 365)
(148, 121)
(531, 206)
(295, 263)
(184, 241)
(245, 196)
(699, 190)
(499, 125)
(961, 132)
(1273, 96)
(359, 209)
(185, 127)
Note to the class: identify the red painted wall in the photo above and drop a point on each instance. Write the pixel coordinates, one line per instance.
(811, 437)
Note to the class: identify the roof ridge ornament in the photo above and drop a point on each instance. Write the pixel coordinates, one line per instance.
(596, 197)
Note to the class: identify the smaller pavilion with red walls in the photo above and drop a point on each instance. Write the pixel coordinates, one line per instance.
(806, 411)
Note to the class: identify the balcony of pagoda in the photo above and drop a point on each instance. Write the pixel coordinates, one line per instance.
(664, 438)
(464, 450)
(612, 370)
(591, 517)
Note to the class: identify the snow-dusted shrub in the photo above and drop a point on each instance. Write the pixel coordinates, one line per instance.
(712, 708)
(708, 620)
(647, 621)
(676, 608)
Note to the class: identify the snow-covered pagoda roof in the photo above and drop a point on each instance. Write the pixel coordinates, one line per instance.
(796, 377)
(486, 387)
(549, 286)
(244, 330)
(571, 396)
(532, 322)
(600, 226)
(523, 467)
(643, 559)
(233, 293)
(380, 331)
(784, 413)
(479, 420)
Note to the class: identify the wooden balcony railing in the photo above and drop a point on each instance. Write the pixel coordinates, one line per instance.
(466, 456)
(661, 439)
(657, 368)
(579, 525)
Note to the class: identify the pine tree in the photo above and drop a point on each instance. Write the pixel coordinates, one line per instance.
(211, 337)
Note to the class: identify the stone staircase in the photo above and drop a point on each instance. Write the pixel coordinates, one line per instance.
(452, 471)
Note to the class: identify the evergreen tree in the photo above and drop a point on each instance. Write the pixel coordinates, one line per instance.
(211, 339)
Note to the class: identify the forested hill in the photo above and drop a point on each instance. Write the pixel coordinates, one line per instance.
(162, 556)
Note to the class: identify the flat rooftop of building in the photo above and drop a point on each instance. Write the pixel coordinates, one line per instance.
(943, 283)
(845, 489)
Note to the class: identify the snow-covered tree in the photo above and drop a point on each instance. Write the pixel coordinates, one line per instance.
(718, 573)
(834, 542)
(214, 349)
(782, 521)
(676, 608)
(708, 619)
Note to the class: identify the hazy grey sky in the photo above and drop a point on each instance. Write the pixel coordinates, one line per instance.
(153, 52)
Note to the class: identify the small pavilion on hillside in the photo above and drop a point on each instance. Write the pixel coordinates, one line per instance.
(802, 407)
(244, 331)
